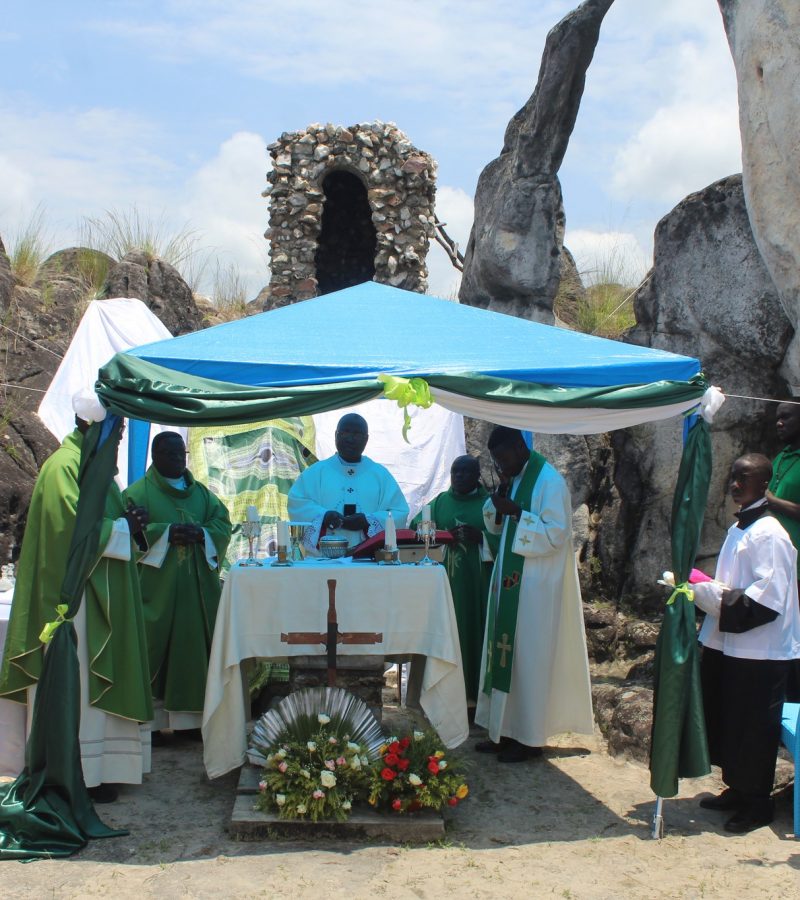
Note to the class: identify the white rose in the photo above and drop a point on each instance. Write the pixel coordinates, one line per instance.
(311, 746)
(442, 764)
(323, 719)
(280, 799)
(347, 805)
(355, 763)
(281, 754)
(352, 746)
(414, 779)
(328, 779)
(301, 808)
(419, 735)
(305, 773)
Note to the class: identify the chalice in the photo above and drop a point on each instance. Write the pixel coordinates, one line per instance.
(252, 531)
(426, 532)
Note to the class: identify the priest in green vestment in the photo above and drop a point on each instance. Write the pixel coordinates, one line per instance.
(114, 673)
(468, 561)
(188, 533)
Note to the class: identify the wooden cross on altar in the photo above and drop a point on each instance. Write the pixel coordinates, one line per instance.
(332, 636)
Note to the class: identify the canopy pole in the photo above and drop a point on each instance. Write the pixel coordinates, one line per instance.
(658, 820)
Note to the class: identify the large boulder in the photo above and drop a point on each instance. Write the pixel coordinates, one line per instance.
(40, 321)
(764, 37)
(709, 295)
(160, 286)
(512, 259)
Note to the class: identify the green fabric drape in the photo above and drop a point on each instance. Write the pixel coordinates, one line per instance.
(46, 812)
(144, 390)
(678, 747)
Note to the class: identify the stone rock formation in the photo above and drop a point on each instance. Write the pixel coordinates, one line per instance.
(710, 296)
(512, 260)
(39, 322)
(764, 37)
(160, 286)
(347, 205)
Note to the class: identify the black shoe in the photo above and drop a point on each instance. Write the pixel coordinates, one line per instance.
(488, 747)
(158, 739)
(754, 816)
(728, 799)
(516, 752)
(191, 734)
(103, 793)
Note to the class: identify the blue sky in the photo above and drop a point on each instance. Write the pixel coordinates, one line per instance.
(169, 106)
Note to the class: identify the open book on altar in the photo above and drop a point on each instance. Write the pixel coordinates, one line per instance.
(406, 539)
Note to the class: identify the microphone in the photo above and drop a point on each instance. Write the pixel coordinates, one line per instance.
(502, 490)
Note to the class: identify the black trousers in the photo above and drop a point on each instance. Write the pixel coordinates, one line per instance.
(743, 701)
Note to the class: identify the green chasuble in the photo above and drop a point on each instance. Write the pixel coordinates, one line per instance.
(468, 575)
(180, 589)
(118, 672)
(785, 485)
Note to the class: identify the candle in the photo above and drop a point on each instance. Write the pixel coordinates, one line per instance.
(283, 534)
(252, 514)
(426, 513)
(390, 536)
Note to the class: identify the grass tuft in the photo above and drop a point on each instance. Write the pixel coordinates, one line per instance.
(29, 248)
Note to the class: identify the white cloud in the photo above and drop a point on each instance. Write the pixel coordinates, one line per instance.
(607, 256)
(682, 148)
(223, 201)
(455, 209)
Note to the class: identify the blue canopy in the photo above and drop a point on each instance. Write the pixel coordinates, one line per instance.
(372, 328)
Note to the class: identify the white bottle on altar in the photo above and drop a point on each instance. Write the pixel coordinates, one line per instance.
(390, 533)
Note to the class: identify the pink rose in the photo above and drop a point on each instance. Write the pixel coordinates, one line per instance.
(318, 794)
(330, 764)
(341, 761)
(283, 766)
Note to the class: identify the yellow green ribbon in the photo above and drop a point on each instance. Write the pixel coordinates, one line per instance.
(50, 628)
(684, 589)
(406, 391)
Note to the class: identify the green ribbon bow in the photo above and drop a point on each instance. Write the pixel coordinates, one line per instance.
(681, 589)
(406, 391)
(50, 628)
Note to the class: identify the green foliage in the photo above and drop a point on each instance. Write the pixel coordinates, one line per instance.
(607, 306)
(29, 248)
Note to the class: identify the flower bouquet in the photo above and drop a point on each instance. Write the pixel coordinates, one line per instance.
(317, 748)
(413, 773)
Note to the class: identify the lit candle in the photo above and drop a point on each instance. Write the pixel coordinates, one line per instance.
(283, 534)
(426, 513)
(252, 514)
(390, 535)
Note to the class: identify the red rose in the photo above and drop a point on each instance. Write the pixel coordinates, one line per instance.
(405, 742)
(433, 767)
(394, 746)
(391, 759)
(389, 774)
(453, 801)
(403, 764)
(397, 804)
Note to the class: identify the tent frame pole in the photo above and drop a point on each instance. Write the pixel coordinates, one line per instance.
(658, 820)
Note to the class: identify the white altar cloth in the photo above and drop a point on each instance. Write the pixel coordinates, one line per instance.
(410, 605)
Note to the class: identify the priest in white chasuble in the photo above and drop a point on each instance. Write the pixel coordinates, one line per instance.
(534, 679)
(347, 495)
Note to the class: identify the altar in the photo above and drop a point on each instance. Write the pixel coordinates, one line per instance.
(409, 607)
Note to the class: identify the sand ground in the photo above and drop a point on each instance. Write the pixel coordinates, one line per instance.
(574, 824)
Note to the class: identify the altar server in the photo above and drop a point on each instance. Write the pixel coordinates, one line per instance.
(347, 495)
(750, 635)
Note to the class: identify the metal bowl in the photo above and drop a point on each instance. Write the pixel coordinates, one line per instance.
(333, 547)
